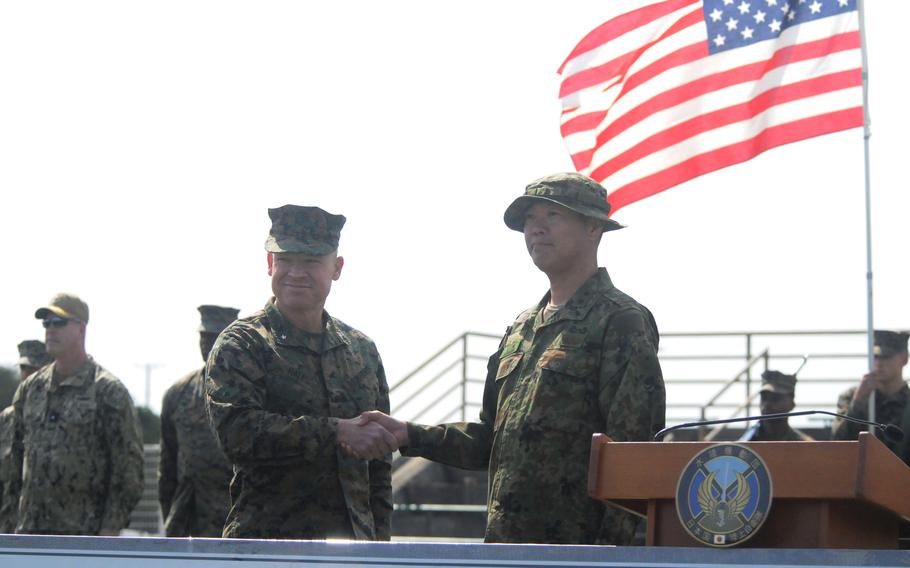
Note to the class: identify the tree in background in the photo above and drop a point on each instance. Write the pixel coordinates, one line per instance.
(151, 425)
(9, 380)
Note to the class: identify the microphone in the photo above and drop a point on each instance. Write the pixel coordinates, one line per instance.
(891, 432)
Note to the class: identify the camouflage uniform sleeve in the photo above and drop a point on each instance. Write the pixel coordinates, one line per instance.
(9, 508)
(381, 473)
(842, 429)
(167, 465)
(461, 444)
(121, 426)
(632, 395)
(235, 397)
(632, 399)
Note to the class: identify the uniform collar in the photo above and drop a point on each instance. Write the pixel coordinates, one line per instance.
(82, 377)
(287, 334)
(902, 396)
(583, 299)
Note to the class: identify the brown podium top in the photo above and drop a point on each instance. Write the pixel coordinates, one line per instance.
(631, 473)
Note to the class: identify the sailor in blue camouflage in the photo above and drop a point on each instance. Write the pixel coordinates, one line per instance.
(32, 356)
(568, 368)
(77, 450)
(194, 476)
(284, 388)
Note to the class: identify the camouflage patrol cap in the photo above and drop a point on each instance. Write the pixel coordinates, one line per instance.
(216, 318)
(308, 230)
(775, 381)
(32, 353)
(889, 343)
(66, 306)
(572, 190)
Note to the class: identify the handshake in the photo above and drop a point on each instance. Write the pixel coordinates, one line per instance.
(372, 435)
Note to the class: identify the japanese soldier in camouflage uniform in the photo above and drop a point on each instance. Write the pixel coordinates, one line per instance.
(892, 396)
(777, 396)
(582, 360)
(285, 387)
(32, 356)
(77, 451)
(193, 475)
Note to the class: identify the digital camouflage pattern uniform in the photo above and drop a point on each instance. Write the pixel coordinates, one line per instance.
(7, 513)
(889, 409)
(76, 454)
(894, 409)
(781, 384)
(592, 367)
(32, 353)
(275, 394)
(194, 475)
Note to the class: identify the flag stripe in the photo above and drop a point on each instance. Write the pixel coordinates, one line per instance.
(621, 25)
(736, 153)
(631, 43)
(725, 135)
(729, 115)
(601, 73)
(712, 101)
(744, 74)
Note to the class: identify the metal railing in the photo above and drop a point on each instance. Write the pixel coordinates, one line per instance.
(445, 385)
(721, 368)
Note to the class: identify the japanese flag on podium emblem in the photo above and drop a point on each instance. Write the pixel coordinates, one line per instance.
(674, 89)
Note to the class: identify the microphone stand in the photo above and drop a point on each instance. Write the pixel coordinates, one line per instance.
(890, 431)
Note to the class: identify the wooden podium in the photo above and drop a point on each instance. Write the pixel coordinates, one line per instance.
(825, 494)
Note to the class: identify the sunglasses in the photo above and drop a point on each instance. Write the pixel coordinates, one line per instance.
(56, 322)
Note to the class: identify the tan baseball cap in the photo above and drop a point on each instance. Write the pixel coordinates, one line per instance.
(65, 305)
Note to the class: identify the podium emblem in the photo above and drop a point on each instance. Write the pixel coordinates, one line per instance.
(723, 495)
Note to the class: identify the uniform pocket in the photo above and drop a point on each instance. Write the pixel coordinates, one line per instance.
(575, 363)
(79, 410)
(507, 365)
(35, 406)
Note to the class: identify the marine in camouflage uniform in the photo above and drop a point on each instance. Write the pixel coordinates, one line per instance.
(77, 452)
(32, 356)
(194, 475)
(562, 373)
(282, 395)
(777, 393)
(892, 395)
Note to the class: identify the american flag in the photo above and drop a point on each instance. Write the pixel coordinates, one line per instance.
(674, 89)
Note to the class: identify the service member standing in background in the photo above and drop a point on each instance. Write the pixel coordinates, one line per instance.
(32, 356)
(194, 475)
(77, 451)
(581, 361)
(778, 392)
(892, 395)
(284, 389)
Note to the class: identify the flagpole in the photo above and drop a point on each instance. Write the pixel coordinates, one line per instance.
(867, 133)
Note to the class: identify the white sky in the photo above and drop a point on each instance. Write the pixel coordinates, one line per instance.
(142, 142)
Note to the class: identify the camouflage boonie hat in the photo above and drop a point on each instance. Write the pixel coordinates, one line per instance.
(32, 353)
(216, 318)
(66, 306)
(571, 190)
(775, 381)
(889, 343)
(308, 230)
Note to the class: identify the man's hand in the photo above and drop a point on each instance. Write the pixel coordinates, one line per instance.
(397, 427)
(365, 439)
(865, 388)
